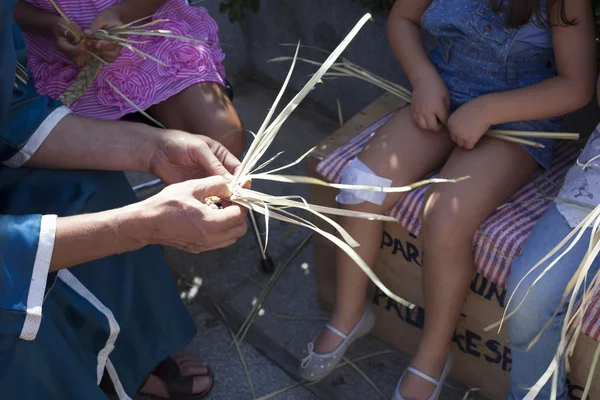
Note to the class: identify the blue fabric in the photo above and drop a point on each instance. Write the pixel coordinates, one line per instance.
(534, 35)
(540, 304)
(137, 287)
(21, 109)
(474, 58)
(16, 232)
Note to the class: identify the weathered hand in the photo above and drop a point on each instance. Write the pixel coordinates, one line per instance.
(178, 156)
(181, 219)
(468, 124)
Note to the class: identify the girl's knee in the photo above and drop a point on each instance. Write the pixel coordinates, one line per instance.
(443, 223)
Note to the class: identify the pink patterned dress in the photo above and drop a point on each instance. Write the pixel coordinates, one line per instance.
(143, 81)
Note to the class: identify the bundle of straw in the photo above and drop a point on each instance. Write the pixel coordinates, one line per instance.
(576, 309)
(348, 69)
(21, 75)
(278, 207)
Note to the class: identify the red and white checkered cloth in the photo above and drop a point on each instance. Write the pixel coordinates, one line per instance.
(502, 236)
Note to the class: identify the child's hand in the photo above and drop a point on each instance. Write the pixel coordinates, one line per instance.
(430, 103)
(468, 124)
(108, 51)
(68, 45)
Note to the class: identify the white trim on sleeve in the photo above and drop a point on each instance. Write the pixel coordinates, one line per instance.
(38, 137)
(39, 275)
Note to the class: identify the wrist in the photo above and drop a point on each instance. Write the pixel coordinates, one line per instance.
(148, 141)
(135, 224)
(484, 107)
(425, 74)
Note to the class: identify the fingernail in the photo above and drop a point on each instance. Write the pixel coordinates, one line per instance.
(228, 176)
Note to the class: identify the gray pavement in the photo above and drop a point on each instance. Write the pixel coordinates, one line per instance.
(291, 317)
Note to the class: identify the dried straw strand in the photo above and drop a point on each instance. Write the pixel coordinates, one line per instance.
(514, 139)
(239, 351)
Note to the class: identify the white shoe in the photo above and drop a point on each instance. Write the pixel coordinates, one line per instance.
(315, 366)
(439, 384)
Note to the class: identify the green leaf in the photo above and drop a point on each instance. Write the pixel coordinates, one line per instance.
(237, 8)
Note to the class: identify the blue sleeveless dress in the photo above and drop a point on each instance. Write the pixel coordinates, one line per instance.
(60, 333)
(477, 54)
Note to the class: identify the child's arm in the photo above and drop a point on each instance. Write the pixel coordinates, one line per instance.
(431, 102)
(35, 20)
(573, 88)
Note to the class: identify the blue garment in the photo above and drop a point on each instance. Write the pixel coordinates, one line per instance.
(474, 58)
(540, 304)
(121, 314)
(532, 34)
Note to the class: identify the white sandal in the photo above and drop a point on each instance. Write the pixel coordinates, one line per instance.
(316, 366)
(439, 384)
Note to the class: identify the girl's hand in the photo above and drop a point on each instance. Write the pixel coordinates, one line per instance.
(430, 103)
(67, 44)
(107, 19)
(468, 124)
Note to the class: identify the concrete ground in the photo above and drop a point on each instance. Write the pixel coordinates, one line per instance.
(232, 280)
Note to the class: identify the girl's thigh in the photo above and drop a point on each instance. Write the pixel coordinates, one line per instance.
(404, 153)
(496, 170)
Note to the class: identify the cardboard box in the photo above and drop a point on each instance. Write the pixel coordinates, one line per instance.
(482, 360)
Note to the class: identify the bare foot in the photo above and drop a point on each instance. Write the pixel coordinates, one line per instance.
(329, 341)
(189, 366)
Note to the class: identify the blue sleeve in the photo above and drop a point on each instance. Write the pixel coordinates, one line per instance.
(26, 241)
(22, 110)
(26, 244)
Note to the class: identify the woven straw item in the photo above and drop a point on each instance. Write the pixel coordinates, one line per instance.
(83, 82)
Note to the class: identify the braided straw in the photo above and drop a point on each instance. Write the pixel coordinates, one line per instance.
(83, 82)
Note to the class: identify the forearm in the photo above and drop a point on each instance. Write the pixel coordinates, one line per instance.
(81, 143)
(35, 20)
(551, 98)
(405, 40)
(133, 10)
(88, 237)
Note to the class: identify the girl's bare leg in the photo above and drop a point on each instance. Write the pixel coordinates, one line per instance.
(203, 109)
(452, 214)
(402, 152)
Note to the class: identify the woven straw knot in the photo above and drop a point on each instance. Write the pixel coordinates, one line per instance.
(83, 82)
